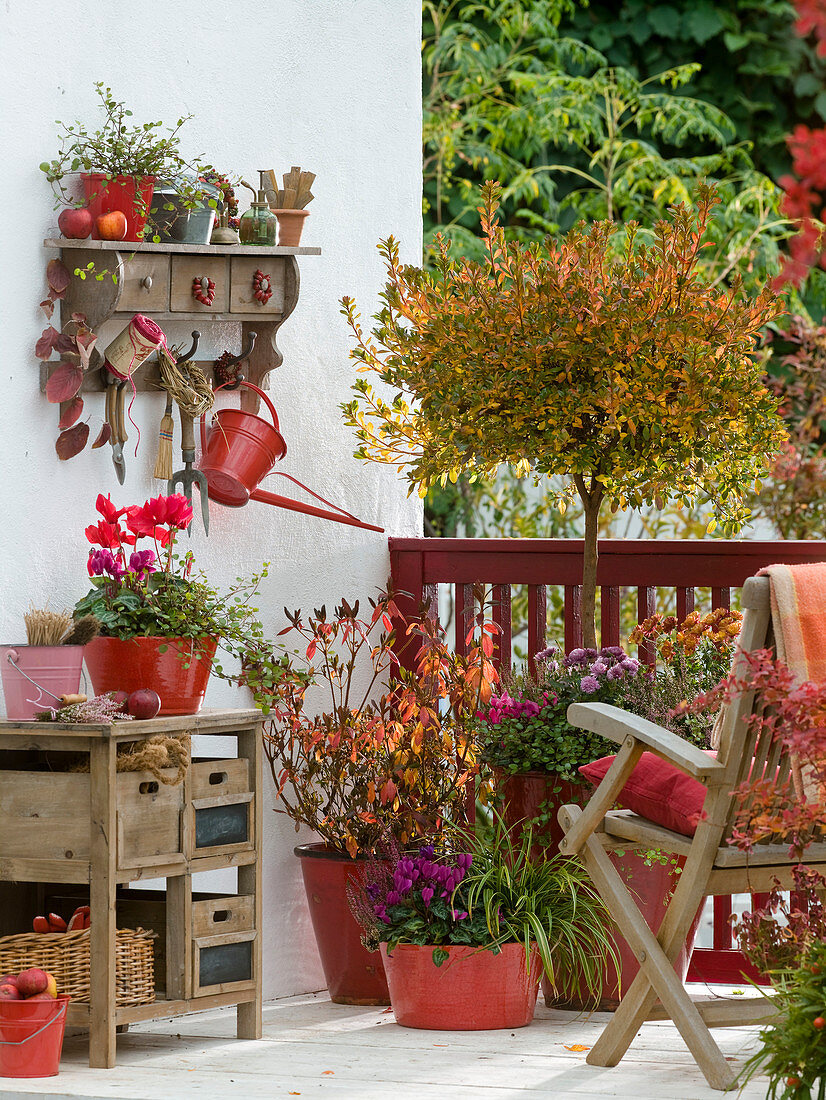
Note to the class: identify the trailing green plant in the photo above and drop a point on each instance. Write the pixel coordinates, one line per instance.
(479, 888)
(595, 357)
(123, 148)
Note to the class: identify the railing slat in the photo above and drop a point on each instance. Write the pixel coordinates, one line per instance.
(609, 603)
(462, 615)
(573, 616)
(720, 597)
(685, 603)
(645, 609)
(537, 623)
(502, 617)
(722, 923)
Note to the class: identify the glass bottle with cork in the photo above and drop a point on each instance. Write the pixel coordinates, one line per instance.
(258, 225)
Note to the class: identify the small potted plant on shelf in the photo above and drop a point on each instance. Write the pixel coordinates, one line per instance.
(469, 923)
(399, 763)
(161, 623)
(119, 165)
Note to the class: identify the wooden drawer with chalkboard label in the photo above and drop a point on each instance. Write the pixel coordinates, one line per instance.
(223, 935)
(222, 807)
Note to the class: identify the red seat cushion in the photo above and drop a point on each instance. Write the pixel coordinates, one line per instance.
(657, 791)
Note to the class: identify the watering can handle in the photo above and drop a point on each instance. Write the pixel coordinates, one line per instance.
(250, 386)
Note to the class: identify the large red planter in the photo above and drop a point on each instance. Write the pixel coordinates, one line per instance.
(651, 888)
(528, 795)
(473, 990)
(126, 664)
(354, 975)
(132, 197)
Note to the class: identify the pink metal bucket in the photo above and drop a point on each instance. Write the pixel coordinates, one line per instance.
(55, 670)
(239, 451)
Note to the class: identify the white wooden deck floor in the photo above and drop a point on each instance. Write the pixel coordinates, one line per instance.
(313, 1048)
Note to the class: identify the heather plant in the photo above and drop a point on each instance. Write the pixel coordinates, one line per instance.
(525, 728)
(399, 762)
(595, 356)
(479, 888)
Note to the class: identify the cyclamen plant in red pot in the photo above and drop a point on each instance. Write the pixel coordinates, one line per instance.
(162, 623)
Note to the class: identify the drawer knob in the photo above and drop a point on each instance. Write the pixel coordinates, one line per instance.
(146, 282)
(262, 287)
(203, 290)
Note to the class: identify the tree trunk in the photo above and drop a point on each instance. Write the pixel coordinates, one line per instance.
(591, 502)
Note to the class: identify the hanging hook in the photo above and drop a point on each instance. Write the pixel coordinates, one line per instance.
(228, 364)
(196, 336)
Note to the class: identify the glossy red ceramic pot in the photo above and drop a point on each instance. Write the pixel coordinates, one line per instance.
(179, 675)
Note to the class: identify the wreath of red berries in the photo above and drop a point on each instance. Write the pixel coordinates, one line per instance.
(203, 290)
(262, 287)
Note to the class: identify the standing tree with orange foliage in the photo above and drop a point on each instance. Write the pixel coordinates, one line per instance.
(605, 356)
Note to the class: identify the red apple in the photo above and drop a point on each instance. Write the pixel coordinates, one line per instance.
(119, 697)
(111, 226)
(9, 992)
(8, 979)
(31, 982)
(143, 703)
(76, 223)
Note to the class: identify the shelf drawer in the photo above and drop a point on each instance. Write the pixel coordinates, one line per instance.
(242, 288)
(222, 807)
(145, 284)
(211, 778)
(185, 269)
(45, 815)
(223, 939)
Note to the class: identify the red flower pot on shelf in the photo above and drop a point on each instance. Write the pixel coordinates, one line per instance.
(127, 664)
(133, 198)
(354, 975)
(473, 989)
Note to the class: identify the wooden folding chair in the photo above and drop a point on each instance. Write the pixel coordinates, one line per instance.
(712, 866)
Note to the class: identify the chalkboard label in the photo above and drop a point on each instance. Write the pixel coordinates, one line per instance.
(221, 825)
(226, 962)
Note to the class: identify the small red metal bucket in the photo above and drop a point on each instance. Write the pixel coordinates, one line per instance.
(239, 451)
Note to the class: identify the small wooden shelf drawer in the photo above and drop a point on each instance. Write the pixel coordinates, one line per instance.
(222, 807)
(223, 937)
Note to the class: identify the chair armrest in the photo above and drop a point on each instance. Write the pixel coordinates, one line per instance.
(617, 724)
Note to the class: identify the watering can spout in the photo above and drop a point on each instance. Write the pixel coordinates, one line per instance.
(338, 516)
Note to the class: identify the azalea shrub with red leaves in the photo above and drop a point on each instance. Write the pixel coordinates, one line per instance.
(142, 588)
(393, 751)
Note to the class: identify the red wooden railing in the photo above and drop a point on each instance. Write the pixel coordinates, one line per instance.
(420, 566)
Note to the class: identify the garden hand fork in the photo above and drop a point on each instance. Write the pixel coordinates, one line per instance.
(187, 477)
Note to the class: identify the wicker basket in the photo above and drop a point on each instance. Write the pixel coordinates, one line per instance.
(66, 956)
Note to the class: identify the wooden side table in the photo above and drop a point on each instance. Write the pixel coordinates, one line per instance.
(107, 828)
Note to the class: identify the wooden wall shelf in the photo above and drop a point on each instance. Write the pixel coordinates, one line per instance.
(156, 279)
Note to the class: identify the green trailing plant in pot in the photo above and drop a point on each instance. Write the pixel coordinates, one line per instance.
(161, 622)
(468, 924)
(391, 753)
(120, 164)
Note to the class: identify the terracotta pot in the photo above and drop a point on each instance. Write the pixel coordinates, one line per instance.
(472, 990)
(126, 664)
(354, 975)
(652, 888)
(132, 197)
(526, 795)
(290, 226)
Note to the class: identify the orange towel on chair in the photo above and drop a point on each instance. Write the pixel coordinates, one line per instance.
(798, 599)
(798, 596)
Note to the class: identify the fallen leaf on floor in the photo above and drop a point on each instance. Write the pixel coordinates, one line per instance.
(738, 992)
(293, 1094)
(328, 1073)
(577, 1047)
(387, 1010)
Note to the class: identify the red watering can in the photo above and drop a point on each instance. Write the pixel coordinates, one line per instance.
(240, 450)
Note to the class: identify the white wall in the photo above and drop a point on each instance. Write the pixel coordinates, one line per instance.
(330, 85)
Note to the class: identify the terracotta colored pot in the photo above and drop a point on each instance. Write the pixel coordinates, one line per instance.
(652, 887)
(290, 226)
(472, 990)
(132, 197)
(126, 664)
(354, 975)
(526, 795)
